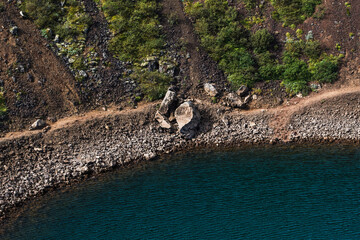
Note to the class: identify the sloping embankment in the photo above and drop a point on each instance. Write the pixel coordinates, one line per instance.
(32, 164)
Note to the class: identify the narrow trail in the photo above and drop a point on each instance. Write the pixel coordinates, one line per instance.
(78, 119)
(282, 114)
(280, 121)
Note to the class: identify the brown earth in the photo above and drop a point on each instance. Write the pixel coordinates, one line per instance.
(36, 82)
(196, 65)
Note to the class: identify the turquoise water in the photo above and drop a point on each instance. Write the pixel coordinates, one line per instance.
(259, 193)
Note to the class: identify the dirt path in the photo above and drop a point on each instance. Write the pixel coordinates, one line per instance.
(78, 119)
(281, 115)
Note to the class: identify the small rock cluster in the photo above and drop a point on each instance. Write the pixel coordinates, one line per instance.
(186, 115)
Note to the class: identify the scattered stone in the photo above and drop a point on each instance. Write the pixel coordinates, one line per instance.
(38, 124)
(150, 156)
(188, 118)
(315, 86)
(14, 30)
(234, 101)
(247, 99)
(82, 73)
(22, 14)
(242, 91)
(164, 122)
(37, 149)
(210, 89)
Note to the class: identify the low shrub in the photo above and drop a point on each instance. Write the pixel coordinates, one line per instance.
(296, 76)
(293, 11)
(262, 40)
(312, 49)
(135, 26)
(325, 71)
(152, 84)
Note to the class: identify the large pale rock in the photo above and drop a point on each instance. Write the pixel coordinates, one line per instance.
(188, 118)
(168, 102)
(164, 122)
(210, 89)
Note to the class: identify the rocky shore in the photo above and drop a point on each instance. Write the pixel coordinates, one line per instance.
(29, 166)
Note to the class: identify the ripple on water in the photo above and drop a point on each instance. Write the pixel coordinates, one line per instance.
(259, 193)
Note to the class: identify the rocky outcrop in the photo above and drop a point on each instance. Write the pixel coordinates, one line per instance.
(166, 108)
(168, 103)
(188, 118)
(210, 90)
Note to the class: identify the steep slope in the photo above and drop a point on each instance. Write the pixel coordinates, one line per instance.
(36, 82)
(197, 67)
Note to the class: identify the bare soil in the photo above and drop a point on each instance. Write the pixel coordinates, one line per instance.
(36, 82)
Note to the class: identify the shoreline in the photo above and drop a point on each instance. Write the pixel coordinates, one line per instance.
(33, 165)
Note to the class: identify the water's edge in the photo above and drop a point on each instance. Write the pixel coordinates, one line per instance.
(34, 165)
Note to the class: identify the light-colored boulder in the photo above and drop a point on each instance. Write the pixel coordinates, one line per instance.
(168, 102)
(188, 118)
(164, 122)
(210, 89)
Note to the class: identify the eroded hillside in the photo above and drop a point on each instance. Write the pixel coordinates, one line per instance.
(59, 58)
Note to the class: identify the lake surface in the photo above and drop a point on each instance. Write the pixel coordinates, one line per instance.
(258, 193)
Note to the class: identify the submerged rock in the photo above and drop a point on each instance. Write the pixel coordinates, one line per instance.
(188, 118)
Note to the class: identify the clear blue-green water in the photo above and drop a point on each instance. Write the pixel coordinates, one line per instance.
(258, 193)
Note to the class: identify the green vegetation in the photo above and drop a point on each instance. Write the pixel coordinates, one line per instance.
(68, 21)
(348, 7)
(293, 11)
(304, 61)
(153, 84)
(227, 41)
(248, 57)
(137, 38)
(262, 40)
(135, 26)
(3, 108)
